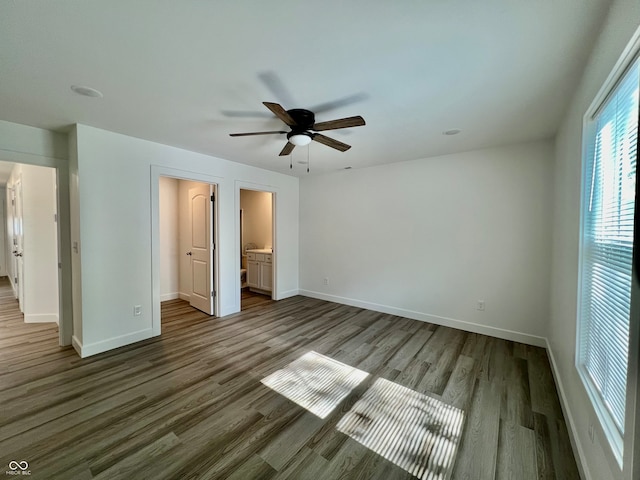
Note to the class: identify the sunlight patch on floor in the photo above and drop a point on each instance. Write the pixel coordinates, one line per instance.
(315, 382)
(418, 433)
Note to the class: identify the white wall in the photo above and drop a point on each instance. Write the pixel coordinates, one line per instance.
(169, 247)
(24, 144)
(74, 231)
(115, 198)
(257, 217)
(428, 238)
(624, 18)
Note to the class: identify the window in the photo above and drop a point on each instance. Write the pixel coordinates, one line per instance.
(608, 203)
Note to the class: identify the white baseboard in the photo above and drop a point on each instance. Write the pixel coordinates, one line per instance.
(40, 318)
(184, 296)
(105, 345)
(77, 345)
(169, 296)
(578, 451)
(425, 317)
(287, 294)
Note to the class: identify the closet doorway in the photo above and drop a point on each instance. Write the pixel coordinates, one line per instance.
(257, 265)
(187, 224)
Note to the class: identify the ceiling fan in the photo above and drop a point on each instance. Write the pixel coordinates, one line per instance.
(304, 128)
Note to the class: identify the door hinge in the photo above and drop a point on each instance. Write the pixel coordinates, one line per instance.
(55, 218)
(213, 293)
(213, 197)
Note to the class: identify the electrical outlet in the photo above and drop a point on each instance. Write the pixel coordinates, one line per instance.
(480, 305)
(326, 281)
(137, 310)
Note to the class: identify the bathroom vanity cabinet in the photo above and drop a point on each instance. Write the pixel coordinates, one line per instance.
(260, 270)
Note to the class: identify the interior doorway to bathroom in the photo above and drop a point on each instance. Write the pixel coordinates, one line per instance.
(256, 246)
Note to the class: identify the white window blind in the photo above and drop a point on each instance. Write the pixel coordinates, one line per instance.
(609, 184)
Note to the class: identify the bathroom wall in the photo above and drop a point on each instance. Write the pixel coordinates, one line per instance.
(257, 211)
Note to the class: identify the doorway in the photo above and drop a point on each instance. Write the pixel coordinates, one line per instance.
(187, 239)
(256, 247)
(30, 254)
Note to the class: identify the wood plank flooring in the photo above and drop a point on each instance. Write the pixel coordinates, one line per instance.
(249, 299)
(190, 404)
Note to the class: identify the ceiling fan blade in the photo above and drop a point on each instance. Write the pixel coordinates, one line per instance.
(280, 112)
(254, 133)
(341, 102)
(348, 122)
(245, 114)
(288, 148)
(330, 142)
(276, 86)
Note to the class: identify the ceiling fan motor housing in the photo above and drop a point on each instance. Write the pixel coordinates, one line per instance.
(304, 119)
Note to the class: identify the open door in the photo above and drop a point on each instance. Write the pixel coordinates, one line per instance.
(201, 209)
(19, 244)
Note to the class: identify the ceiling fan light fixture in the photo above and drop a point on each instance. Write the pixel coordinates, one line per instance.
(300, 139)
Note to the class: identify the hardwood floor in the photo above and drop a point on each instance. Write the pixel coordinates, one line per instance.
(249, 299)
(191, 404)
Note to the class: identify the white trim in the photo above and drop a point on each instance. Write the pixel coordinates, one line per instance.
(169, 296)
(620, 447)
(29, 158)
(619, 69)
(578, 451)
(60, 164)
(244, 185)
(184, 296)
(438, 320)
(105, 345)
(40, 318)
(77, 344)
(288, 294)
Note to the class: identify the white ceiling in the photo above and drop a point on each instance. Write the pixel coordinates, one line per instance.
(182, 73)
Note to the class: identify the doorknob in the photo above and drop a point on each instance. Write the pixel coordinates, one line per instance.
(18, 254)
(188, 253)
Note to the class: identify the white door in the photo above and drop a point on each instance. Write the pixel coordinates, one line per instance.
(201, 253)
(12, 239)
(19, 242)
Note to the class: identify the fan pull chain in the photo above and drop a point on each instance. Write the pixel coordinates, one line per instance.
(308, 147)
(291, 161)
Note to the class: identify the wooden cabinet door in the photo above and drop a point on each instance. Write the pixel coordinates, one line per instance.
(253, 274)
(266, 276)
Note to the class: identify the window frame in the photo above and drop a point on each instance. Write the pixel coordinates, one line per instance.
(615, 438)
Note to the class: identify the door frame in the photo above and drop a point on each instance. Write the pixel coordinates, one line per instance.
(240, 185)
(63, 227)
(18, 221)
(158, 171)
